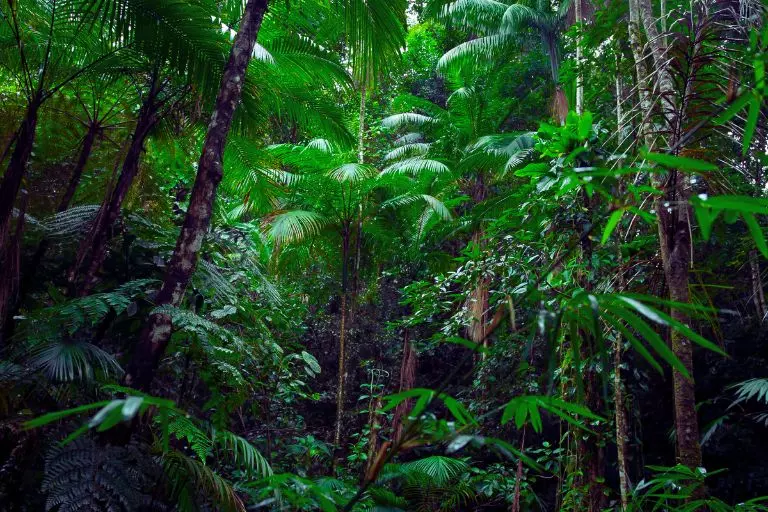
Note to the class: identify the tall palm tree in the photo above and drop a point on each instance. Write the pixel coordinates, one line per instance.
(467, 131)
(333, 194)
(375, 31)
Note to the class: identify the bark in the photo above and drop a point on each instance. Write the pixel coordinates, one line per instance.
(360, 160)
(477, 302)
(17, 167)
(622, 426)
(758, 296)
(10, 270)
(342, 377)
(675, 246)
(579, 77)
(641, 71)
(518, 476)
(620, 414)
(92, 250)
(590, 453)
(157, 332)
(674, 235)
(77, 172)
(407, 381)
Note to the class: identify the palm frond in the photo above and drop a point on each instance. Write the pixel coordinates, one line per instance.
(66, 361)
(407, 150)
(438, 468)
(352, 172)
(296, 225)
(407, 118)
(409, 138)
(473, 51)
(414, 166)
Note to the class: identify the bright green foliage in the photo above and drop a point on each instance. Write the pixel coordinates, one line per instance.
(411, 178)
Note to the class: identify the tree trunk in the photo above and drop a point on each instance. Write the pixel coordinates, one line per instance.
(360, 160)
(675, 245)
(9, 272)
(579, 77)
(591, 455)
(92, 250)
(77, 172)
(17, 167)
(620, 414)
(66, 199)
(157, 333)
(374, 425)
(758, 296)
(342, 377)
(641, 71)
(407, 381)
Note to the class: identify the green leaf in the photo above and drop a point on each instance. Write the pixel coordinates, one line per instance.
(636, 343)
(55, 416)
(585, 125)
(651, 336)
(680, 162)
(751, 123)
(475, 347)
(311, 361)
(613, 221)
(757, 233)
(131, 406)
(533, 413)
(735, 106)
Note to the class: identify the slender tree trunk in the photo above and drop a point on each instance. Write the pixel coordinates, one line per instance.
(92, 250)
(9, 272)
(518, 476)
(641, 71)
(360, 160)
(590, 453)
(675, 244)
(407, 381)
(674, 235)
(579, 77)
(77, 172)
(559, 101)
(17, 167)
(477, 302)
(758, 296)
(342, 377)
(622, 428)
(620, 414)
(157, 332)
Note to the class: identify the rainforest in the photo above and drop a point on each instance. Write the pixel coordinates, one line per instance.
(383, 255)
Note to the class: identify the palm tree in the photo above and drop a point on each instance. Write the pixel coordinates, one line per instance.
(501, 23)
(333, 194)
(374, 32)
(467, 131)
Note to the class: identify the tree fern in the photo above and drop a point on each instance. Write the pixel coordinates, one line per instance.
(86, 476)
(193, 483)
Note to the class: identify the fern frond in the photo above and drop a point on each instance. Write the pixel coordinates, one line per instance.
(244, 454)
(189, 477)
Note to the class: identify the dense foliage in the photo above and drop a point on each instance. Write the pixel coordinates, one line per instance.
(392, 255)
